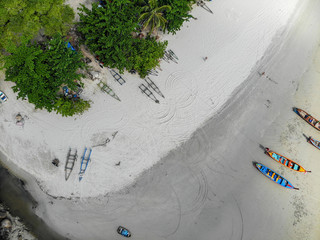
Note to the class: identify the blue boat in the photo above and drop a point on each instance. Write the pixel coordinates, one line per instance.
(274, 176)
(84, 163)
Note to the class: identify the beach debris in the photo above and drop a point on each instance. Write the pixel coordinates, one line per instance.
(17, 230)
(71, 159)
(55, 162)
(6, 223)
(205, 58)
(94, 75)
(153, 86)
(267, 77)
(72, 94)
(118, 164)
(105, 88)
(19, 120)
(84, 163)
(97, 59)
(5, 228)
(202, 4)
(144, 89)
(117, 77)
(105, 142)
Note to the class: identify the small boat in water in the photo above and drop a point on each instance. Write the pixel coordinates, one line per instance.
(274, 176)
(308, 118)
(285, 161)
(314, 142)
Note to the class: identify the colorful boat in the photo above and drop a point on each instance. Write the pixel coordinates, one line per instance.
(274, 176)
(308, 118)
(314, 142)
(285, 161)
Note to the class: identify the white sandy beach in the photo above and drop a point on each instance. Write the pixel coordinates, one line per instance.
(207, 187)
(233, 39)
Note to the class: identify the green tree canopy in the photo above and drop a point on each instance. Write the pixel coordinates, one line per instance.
(24, 18)
(177, 14)
(39, 72)
(152, 15)
(108, 32)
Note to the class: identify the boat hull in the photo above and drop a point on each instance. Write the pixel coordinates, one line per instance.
(314, 142)
(308, 118)
(275, 177)
(285, 161)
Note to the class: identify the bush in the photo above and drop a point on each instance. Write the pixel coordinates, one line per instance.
(178, 14)
(108, 33)
(69, 107)
(39, 73)
(25, 19)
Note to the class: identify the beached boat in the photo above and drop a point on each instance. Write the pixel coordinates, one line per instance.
(314, 142)
(274, 176)
(285, 161)
(71, 158)
(308, 118)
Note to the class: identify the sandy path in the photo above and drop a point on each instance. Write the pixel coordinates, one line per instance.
(208, 188)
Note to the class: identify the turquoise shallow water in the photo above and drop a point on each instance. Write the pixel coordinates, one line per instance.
(20, 203)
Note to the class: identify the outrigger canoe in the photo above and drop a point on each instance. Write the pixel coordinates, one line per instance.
(308, 118)
(274, 176)
(285, 161)
(314, 142)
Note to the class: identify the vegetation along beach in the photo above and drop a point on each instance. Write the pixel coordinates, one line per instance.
(160, 119)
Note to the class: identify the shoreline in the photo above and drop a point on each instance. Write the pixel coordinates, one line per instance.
(20, 204)
(194, 90)
(281, 116)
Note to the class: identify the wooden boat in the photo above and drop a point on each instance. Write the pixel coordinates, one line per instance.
(308, 118)
(71, 158)
(285, 161)
(314, 142)
(274, 176)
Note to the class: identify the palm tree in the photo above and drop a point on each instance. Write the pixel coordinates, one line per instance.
(152, 15)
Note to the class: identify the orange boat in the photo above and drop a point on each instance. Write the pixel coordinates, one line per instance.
(308, 118)
(285, 161)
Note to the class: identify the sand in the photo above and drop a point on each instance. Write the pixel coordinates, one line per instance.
(206, 188)
(141, 132)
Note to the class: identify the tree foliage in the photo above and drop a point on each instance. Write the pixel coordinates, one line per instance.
(108, 33)
(39, 71)
(152, 15)
(68, 107)
(178, 14)
(24, 18)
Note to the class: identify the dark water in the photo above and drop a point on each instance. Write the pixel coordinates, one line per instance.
(21, 203)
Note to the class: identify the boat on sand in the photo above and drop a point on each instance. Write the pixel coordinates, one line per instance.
(314, 142)
(308, 118)
(285, 161)
(274, 176)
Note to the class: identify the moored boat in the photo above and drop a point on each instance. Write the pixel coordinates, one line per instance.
(274, 176)
(285, 161)
(314, 142)
(308, 118)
